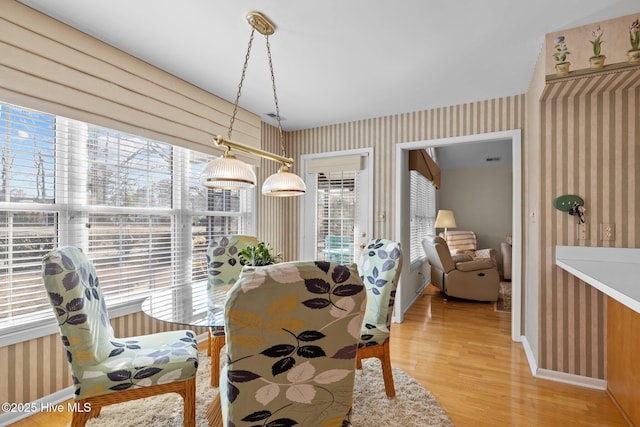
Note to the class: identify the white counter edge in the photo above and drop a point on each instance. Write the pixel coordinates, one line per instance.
(566, 256)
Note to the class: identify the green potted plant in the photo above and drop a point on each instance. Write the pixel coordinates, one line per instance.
(560, 55)
(259, 255)
(634, 38)
(597, 60)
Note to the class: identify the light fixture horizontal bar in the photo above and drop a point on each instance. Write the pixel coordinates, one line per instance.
(220, 141)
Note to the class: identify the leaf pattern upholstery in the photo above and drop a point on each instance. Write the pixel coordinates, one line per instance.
(292, 337)
(379, 265)
(100, 363)
(223, 263)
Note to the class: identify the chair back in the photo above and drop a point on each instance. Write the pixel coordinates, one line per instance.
(438, 253)
(292, 337)
(462, 241)
(223, 258)
(75, 295)
(379, 266)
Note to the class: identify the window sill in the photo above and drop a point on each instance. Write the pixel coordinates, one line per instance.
(42, 328)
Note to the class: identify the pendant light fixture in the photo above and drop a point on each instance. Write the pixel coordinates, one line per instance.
(227, 172)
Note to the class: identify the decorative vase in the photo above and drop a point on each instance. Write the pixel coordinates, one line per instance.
(562, 69)
(634, 56)
(597, 62)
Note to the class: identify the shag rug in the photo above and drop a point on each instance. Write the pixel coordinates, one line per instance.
(504, 298)
(412, 406)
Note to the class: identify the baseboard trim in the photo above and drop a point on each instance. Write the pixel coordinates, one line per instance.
(579, 380)
(531, 358)
(38, 405)
(561, 377)
(404, 309)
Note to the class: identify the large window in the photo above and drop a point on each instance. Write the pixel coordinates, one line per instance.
(134, 205)
(422, 213)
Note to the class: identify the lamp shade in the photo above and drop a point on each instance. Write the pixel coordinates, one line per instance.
(445, 219)
(228, 173)
(283, 184)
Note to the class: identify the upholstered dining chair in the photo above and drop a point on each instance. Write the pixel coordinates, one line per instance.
(379, 265)
(223, 269)
(105, 369)
(292, 333)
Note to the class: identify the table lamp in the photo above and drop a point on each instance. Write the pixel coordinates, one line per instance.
(445, 219)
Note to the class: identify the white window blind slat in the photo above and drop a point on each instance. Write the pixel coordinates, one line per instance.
(422, 212)
(336, 215)
(139, 214)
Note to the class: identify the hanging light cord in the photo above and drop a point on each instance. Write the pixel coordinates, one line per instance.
(273, 85)
(275, 97)
(244, 72)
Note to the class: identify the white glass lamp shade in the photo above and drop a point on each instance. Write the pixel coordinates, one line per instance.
(284, 184)
(228, 173)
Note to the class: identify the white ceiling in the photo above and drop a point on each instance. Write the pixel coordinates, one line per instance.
(337, 61)
(475, 154)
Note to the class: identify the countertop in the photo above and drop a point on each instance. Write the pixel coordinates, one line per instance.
(613, 271)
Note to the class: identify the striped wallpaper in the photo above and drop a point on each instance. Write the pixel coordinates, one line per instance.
(382, 134)
(590, 146)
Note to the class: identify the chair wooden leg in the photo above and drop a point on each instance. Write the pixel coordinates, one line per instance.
(79, 418)
(209, 343)
(190, 403)
(217, 342)
(387, 373)
(214, 412)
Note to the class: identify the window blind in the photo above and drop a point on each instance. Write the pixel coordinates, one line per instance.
(422, 211)
(49, 66)
(134, 205)
(336, 215)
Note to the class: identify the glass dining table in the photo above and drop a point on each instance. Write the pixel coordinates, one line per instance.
(193, 305)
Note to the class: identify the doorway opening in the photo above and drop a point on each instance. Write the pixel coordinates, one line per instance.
(402, 207)
(336, 211)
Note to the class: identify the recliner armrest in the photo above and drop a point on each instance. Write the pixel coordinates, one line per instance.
(488, 254)
(461, 258)
(477, 264)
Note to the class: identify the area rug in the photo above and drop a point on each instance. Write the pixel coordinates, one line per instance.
(504, 298)
(412, 406)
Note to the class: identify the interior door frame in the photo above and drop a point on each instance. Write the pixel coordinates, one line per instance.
(366, 152)
(402, 207)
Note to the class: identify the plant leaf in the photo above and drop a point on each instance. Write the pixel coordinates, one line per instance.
(78, 319)
(75, 304)
(146, 373)
(308, 336)
(341, 274)
(317, 286)
(310, 351)
(120, 375)
(278, 350)
(241, 376)
(282, 365)
(70, 280)
(257, 416)
(347, 290)
(316, 303)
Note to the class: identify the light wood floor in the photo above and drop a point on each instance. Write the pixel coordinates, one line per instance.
(462, 352)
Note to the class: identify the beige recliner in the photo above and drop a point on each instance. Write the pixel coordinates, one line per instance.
(461, 276)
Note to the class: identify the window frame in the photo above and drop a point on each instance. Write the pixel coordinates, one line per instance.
(181, 212)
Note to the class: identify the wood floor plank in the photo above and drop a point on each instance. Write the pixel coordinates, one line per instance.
(462, 352)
